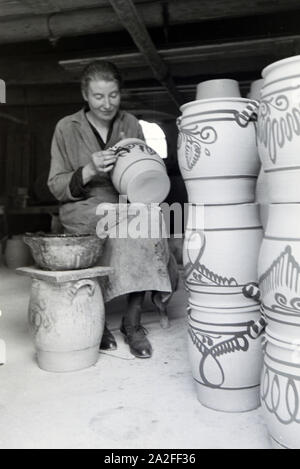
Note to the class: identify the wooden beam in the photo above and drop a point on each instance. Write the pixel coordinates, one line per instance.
(131, 20)
(187, 64)
(18, 24)
(42, 6)
(194, 54)
(179, 10)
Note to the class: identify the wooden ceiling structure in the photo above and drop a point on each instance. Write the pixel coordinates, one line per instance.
(163, 47)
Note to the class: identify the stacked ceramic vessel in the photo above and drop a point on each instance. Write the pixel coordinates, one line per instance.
(219, 163)
(278, 135)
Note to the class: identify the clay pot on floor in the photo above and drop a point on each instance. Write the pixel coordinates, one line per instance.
(217, 152)
(278, 129)
(220, 255)
(226, 357)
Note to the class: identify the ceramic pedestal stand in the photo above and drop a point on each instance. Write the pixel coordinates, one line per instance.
(66, 317)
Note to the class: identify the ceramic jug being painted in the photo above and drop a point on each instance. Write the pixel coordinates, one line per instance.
(220, 255)
(139, 172)
(217, 150)
(278, 129)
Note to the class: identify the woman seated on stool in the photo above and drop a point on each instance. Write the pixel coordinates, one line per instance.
(81, 161)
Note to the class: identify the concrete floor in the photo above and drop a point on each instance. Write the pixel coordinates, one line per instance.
(122, 402)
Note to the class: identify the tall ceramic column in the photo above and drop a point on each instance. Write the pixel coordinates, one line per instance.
(219, 164)
(224, 337)
(279, 272)
(279, 261)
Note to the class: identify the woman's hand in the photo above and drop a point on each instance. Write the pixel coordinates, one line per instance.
(102, 162)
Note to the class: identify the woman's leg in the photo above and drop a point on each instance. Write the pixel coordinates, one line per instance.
(135, 334)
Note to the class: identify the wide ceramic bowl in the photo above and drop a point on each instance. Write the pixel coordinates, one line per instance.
(65, 252)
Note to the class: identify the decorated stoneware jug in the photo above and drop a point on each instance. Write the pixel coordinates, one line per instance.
(217, 152)
(226, 357)
(220, 255)
(278, 129)
(139, 172)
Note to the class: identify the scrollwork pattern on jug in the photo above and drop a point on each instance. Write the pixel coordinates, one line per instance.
(197, 272)
(195, 143)
(274, 132)
(125, 150)
(280, 394)
(283, 304)
(213, 347)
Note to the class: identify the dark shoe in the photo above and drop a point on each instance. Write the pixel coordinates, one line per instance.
(108, 342)
(135, 337)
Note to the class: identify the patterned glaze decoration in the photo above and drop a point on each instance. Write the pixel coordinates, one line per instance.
(139, 172)
(217, 150)
(279, 270)
(279, 281)
(226, 357)
(221, 259)
(280, 287)
(278, 129)
(280, 391)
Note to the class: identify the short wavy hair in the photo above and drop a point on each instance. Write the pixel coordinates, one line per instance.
(100, 70)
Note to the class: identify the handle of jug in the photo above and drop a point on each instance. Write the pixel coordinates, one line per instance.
(248, 114)
(178, 123)
(90, 284)
(252, 290)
